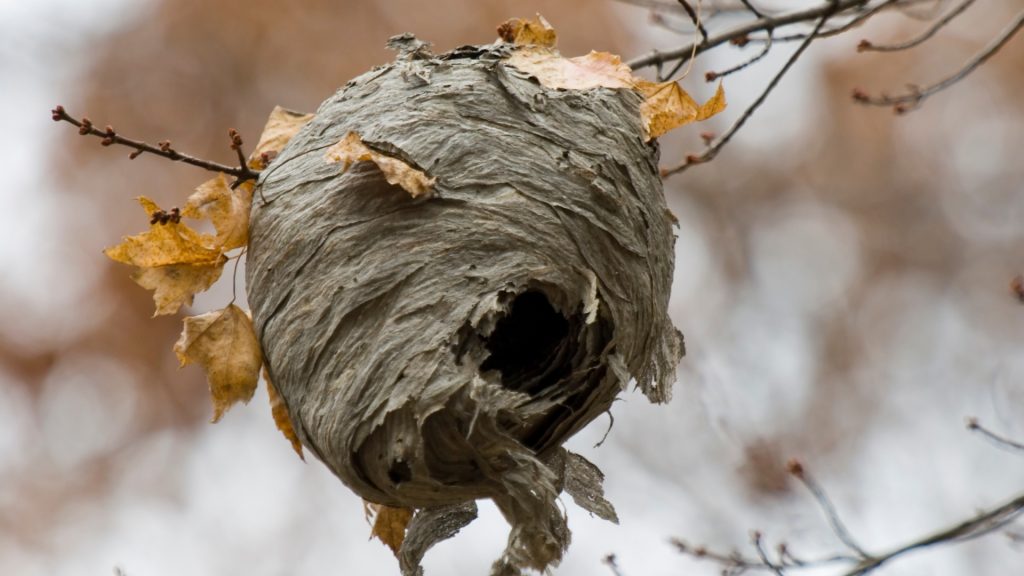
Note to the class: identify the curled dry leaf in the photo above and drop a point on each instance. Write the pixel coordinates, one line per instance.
(173, 260)
(279, 129)
(224, 344)
(174, 285)
(351, 149)
(164, 244)
(227, 209)
(279, 411)
(388, 524)
(595, 70)
(535, 31)
(667, 106)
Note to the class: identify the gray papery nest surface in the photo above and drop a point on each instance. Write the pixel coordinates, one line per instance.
(440, 349)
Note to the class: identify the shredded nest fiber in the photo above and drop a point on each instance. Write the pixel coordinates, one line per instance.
(438, 348)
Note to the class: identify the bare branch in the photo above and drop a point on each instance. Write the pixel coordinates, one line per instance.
(866, 46)
(163, 149)
(825, 503)
(913, 99)
(982, 524)
(713, 150)
(711, 76)
(745, 30)
(1001, 441)
(695, 17)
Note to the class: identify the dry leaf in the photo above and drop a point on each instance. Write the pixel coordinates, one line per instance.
(281, 126)
(174, 285)
(227, 209)
(536, 31)
(388, 524)
(667, 106)
(595, 70)
(170, 258)
(713, 106)
(164, 244)
(281, 417)
(224, 344)
(351, 149)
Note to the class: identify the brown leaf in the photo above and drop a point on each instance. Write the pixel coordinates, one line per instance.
(227, 209)
(279, 411)
(667, 106)
(388, 524)
(164, 244)
(224, 344)
(536, 31)
(174, 285)
(595, 70)
(713, 106)
(281, 126)
(351, 149)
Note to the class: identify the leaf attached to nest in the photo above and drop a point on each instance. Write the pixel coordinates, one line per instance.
(174, 285)
(279, 411)
(389, 524)
(281, 126)
(227, 209)
(667, 106)
(536, 31)
(351, 149)
(224, 344)
(595, 70)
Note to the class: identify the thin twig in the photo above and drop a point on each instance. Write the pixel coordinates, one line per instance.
(695, 17)
(866, 46)
(745, 30)
(825, 503)
(1001, 441)
(863, 13)
(163, 149)
(711, 76)
(755, 539)
(979, 525)
(713, 150)
(754, 11)
(916, 96)
(612, 563)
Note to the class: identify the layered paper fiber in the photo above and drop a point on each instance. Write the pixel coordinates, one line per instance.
(438, 349)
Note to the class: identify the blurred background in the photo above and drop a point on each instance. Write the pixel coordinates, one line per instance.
(841, 278)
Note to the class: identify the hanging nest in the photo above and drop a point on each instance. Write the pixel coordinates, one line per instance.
(454, 268)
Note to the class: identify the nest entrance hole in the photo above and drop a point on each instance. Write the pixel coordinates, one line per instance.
(530, 345)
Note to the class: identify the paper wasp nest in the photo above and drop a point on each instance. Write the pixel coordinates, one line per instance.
(437, 340)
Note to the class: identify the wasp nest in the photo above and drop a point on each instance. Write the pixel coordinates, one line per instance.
(439, 321)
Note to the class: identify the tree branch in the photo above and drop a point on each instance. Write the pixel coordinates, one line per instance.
(163, 149)
(762, 24)
(866, 46)
(911, 100)
(711, 151)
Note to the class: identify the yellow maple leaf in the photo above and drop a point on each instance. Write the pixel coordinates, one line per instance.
(282, 419)
(351, 149)
(595, 70)
(389, 524)
(227, 209)
(667, 106)
(281, 126)
(172, 242)
(224, 343)
(174, 285)
(534, 31)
